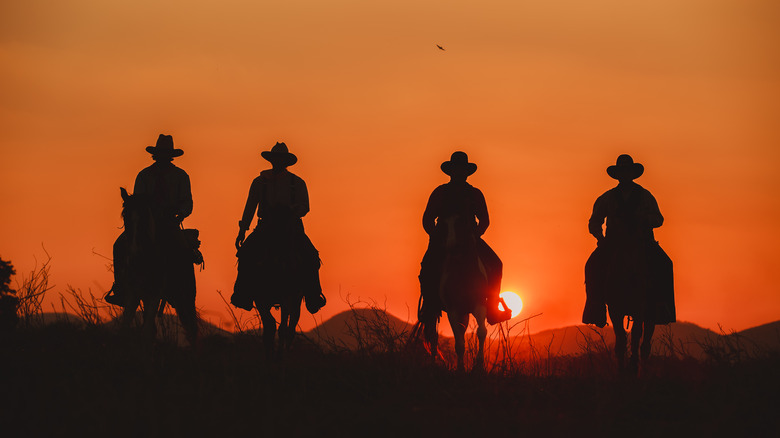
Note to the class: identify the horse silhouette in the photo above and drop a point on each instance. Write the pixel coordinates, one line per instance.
(639, 296)
(279, 276)
(462, 289)
(152, 269)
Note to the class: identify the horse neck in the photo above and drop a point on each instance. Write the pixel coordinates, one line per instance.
(140, 225)
(459, 235)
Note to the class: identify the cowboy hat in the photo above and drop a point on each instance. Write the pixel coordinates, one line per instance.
(458, 160)
(280, 154)
(164, 147)
(625, 168)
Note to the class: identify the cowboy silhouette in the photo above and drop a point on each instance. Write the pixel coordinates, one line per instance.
(455, 198)
(280, 199)
(628, 260)
(168, 191)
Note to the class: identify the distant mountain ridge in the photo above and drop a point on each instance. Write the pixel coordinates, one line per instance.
(682, 337)
(350, 328)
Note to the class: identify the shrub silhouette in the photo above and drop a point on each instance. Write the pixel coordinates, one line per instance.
(9, 302)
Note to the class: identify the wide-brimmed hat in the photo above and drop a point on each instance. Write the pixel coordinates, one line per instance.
(458, 160)
(164, 147)
(280, 154)
(625, 168)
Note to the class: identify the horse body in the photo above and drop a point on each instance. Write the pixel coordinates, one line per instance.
(152, 269)
(462, 289)
(278, 266)
(628, 301)
(280, 275)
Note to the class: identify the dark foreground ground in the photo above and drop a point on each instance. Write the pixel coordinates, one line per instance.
(62, 380)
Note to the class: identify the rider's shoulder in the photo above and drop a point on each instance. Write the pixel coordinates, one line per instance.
(178, 170)
(440, 189)
(617, 191)
(643, 190)
(146, 173)
(296, 179)
(270, 174)
(468, 188)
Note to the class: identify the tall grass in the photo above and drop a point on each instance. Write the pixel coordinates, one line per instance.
(31, 291)
(85, 378)
(511, 349)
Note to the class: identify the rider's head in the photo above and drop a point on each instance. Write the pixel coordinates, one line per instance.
(458, 167)
(162, 158)
(279, 156)
(625, 170)
(164, 151)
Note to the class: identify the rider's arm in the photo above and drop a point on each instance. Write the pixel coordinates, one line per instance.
(650, 211)
(185, 198)
(431, 211)
(300, 204)
(597, 218)
(481, 213)
(140, 187)
(252, 201)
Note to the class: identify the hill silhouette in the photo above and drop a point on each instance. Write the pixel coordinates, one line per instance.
(359, 327)
(684, 337)
(765, 336)
(168, 325)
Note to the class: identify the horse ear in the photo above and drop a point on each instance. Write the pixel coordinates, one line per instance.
(124, 193)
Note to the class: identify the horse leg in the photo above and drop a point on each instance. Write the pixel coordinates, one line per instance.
(290, 316)
(647, 340)
(188, 317)
(432, 338)
(458, 323)
(620, 341)
(636, 340)
(150, 314)
(481, 315)
(185, 309)
(128, 313)
(281, 346)
(269, 329)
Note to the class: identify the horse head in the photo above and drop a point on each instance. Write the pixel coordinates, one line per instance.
(463, 273)
(463, 282)
(461, 234)
(138, 220)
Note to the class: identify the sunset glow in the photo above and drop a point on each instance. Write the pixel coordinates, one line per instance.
(543, 96)
(513, 301)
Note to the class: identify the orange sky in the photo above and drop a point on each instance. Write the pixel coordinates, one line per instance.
(542, 95)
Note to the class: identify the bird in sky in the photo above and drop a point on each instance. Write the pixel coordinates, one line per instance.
(440, 47)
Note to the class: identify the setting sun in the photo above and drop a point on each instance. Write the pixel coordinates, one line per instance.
(513, 301)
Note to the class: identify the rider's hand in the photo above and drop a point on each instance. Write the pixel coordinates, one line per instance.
(240, 238)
